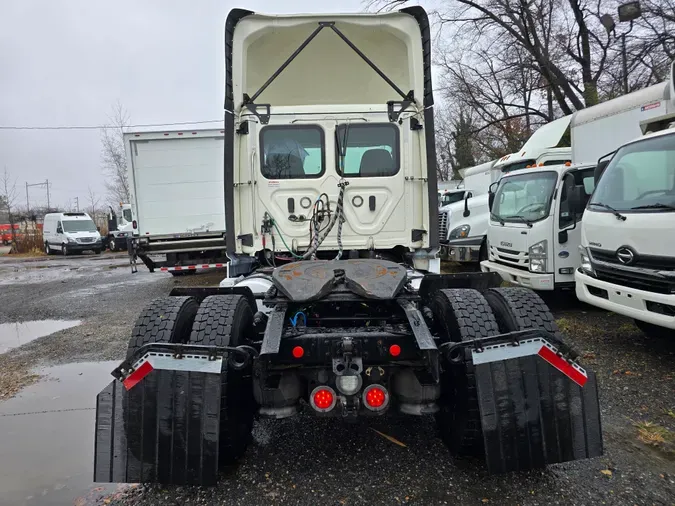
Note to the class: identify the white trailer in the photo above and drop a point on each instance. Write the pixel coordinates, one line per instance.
(515, 242)
(177, 192)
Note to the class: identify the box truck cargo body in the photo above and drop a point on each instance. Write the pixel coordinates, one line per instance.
(177, 195)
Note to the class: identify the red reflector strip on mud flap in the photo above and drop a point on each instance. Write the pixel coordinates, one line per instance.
(536, 407)
(165, 427)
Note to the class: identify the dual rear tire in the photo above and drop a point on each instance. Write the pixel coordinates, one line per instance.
(464, 315)
(220, 320)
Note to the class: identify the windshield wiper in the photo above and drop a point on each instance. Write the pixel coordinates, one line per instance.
(527, 222)
(658, 205)
(616, 213)
(500, 220)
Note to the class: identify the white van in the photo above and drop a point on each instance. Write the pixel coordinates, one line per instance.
(70, 232)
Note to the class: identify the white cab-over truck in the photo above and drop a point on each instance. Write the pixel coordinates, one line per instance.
(463, 226)
(176, 185)
(627, 250)
(535, 245)
(534, 230)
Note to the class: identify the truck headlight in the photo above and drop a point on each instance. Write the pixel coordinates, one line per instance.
(538, 253)
(71, 240)
(460, 232)
(586, 264)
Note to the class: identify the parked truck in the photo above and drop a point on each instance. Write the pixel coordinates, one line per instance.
(120, 227)
(333, 302)
(534, 229)
(177, 190)
(627, 259)
(463, 226)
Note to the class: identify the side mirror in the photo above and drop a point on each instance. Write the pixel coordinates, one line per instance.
(466, 205)
(562, 236)
(491, 194)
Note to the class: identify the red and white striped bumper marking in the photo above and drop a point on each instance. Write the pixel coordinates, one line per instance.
(178, 268)
(537, 346)
(165, 361)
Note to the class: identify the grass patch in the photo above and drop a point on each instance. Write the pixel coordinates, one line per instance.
(656, 435)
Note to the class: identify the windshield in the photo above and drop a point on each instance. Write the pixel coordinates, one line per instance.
(451, 198)
(525, 197)
(641, 175)
(79, 226)
(126, 215)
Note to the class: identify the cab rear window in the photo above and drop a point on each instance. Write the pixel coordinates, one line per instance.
(371, 150)
(292, 152)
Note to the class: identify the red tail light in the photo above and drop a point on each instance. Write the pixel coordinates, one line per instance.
(323, 398)
(376, 397)
(298, 352)
(394, 350)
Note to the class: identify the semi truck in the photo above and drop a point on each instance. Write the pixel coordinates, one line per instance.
(627, 264)
(333, 301)
(533, 238)
(176, 187)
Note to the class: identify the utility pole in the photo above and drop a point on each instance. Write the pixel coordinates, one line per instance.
(77, 204)
(45, 184)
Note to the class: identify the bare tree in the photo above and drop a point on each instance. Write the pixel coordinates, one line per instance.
(93, 202)
(9, 197)
(113, 157)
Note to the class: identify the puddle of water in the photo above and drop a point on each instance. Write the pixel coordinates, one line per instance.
(47, 443)
(13, 335)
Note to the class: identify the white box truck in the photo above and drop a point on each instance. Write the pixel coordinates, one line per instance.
(177, 199)
(535, 245)
(463, 225)
(627, 252)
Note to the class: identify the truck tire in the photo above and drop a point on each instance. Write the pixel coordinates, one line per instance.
(462, 315)
(111, 244)
(48, 250)
(520, 309)
(64, 250)
(165, 320)
(226, 320)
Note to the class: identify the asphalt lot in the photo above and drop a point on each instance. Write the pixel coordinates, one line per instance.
(48, 386)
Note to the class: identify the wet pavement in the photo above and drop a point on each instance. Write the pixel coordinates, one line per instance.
(50, 383)
(17, 334)
(46, 448)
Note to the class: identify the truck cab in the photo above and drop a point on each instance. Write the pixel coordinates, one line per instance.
(534, 227)
(120, 227)
(627, 240)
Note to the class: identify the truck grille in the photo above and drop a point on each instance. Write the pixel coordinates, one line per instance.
(645, 261)
(443, 226)
(85, 239)
(632, 279)
(517, 259)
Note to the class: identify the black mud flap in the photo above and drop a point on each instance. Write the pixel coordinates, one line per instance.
(161, 423)
(537, 408)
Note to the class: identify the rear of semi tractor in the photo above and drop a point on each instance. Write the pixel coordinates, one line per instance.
(334, 303)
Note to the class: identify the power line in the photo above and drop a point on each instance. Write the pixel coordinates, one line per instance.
(105, 127)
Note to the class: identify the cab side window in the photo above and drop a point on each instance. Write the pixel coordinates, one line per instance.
(59, 228)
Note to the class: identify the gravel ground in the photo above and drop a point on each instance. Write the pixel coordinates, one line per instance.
(308, 461)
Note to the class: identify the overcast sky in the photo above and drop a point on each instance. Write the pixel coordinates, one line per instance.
(66, 62)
